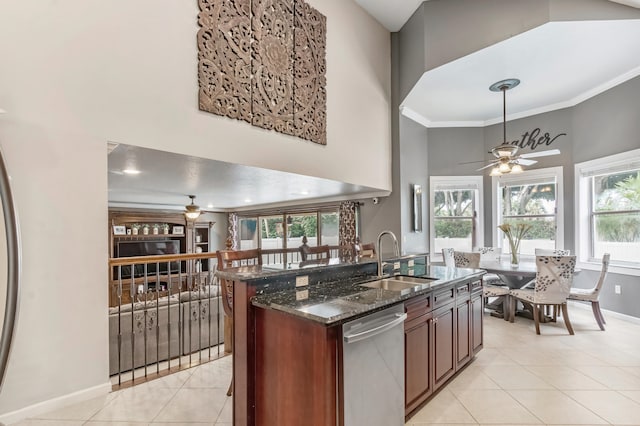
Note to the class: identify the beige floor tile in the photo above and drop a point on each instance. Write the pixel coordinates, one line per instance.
(472, 378)
(80, 411)
(172, 381)
(45, 422)
(633, 395)
(441, 424)
(226, 414)
(554, 407)
(564, 377)
(177, 423)
(211, 375)
(136, 405)
(98, 423)
(515, 377)
(442, 409)
(491, 356)
(495, 406)
(612, 377)
(610, 405)
(193, 405)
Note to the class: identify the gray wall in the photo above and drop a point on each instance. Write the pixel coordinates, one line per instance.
(604, 125)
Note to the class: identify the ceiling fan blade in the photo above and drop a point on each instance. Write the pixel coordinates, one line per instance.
(525, 162)
(472, 162)
(540, 154)
(487, 166)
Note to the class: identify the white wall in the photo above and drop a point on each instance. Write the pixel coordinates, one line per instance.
(77, 73)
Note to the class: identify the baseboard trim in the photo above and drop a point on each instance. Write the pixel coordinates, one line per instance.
(618, 315)
(55, 403)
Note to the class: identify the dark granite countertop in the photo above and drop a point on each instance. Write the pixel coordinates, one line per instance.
(334, 302)
(256, 272)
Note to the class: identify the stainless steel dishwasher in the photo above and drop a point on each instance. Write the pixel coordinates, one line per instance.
(373, 373)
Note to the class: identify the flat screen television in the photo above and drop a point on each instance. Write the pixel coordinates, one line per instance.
(147, 248)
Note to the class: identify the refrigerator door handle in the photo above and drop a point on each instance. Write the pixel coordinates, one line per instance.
(356, 337)
(14, 263)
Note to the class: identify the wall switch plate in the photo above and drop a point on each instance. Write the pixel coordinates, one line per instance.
(396, 265)
(411, 263)
(302, 294)
(617, 289)
(302, 280)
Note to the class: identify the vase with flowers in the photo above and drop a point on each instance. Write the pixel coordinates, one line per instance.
(514, 234)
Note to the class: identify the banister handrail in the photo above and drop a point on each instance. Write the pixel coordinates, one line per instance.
(123, 261)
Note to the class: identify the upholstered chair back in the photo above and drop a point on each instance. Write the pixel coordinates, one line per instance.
(488, 253)
(554, 277)
(547, 252)
(447, 256)
(466, 260)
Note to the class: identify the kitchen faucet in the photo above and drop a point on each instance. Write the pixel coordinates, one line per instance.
(396, 250)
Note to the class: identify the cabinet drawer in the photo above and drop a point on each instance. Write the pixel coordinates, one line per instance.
(417, 306)
(462, 290)
(442, 297)
(476, 287)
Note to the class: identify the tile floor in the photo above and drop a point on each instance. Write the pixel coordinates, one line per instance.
(592, 378)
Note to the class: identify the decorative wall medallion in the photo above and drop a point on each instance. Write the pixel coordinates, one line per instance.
(263, 61)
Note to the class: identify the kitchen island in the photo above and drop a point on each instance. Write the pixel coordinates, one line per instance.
(288, 333)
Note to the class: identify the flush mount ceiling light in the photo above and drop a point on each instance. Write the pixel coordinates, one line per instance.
(192, 211)
(506, 159)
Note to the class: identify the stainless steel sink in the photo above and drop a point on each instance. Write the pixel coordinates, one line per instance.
(393, 285)
(415, 280)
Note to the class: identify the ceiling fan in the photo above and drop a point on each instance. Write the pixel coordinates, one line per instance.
(193, 211)
(507, 158)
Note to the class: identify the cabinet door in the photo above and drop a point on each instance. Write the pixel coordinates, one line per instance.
(417, 337)
(443, 343)
(463, 326)
(477, 308)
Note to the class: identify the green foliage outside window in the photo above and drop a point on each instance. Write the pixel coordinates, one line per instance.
(617, 192)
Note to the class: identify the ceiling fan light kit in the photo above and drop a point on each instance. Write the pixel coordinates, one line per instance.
(192, 211)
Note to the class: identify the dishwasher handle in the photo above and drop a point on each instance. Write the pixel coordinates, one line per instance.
(356, 337)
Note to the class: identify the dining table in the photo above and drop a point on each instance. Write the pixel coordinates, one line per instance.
(514, 276)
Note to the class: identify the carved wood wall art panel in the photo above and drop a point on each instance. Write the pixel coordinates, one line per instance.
(310, 69)
(263, 61)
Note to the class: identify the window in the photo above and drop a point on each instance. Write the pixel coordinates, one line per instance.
(608, 211)
(282, 231)
(535, 198)
(455, 204)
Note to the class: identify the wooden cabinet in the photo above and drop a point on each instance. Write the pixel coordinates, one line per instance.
(443, 332)
(463, 325)
(417, 348)
(444, 336)
(477, 309)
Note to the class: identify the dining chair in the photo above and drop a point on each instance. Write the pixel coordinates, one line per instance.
(465, 259)
(554, 276)
(552, 252)
(531, 284)
(592, 294)
(492, 284)
(447, 257)
(368, 250)
(229, 259)
(319, 252)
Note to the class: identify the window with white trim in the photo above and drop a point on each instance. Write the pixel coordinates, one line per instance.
(608, 210)
(534, 197)
(455, 213)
